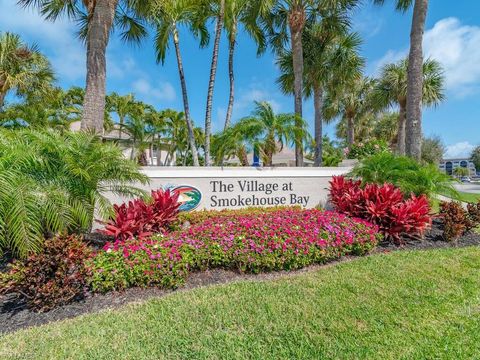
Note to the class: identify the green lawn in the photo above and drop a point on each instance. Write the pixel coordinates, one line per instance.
(402, 305)
(469, 197)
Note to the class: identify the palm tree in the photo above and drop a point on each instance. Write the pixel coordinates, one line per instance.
(235, 141)
(244, 12)
(52, 182)
(269, 132)
(352, 101)
(392, 89)
(96, 19)
(166, 16)
(218, 9)
(23, 68)
(330, 55)
(415, 75)
(286, 21)
(122, 106)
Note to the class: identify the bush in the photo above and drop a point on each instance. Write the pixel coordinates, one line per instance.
(369, 148)
(56, 276)
(383, 205)
(140, 219)
(456, 220)
(51, 182)
(406, 174)
(273, 240)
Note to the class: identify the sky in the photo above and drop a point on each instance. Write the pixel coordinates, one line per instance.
(452, 37)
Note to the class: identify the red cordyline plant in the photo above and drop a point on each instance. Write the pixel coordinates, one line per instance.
(383, 205)
(139, 219)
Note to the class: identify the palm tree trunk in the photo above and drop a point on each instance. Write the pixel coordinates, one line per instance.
(211, 83)
(350, 132)
(231, 74)
(318, 105)
(2, 99)
(296, 23)
(415, 81)
(121, 120)
(401, 129)
(243, 156)
(191, 137)
(99, 27)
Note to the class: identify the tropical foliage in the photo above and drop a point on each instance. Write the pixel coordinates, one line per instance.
(23, 69)
(52, 182)
(406, 173)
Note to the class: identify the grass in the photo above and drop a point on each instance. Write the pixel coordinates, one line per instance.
(402, 305)
(468, 197)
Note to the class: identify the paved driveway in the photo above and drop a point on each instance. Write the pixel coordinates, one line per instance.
(468, 188)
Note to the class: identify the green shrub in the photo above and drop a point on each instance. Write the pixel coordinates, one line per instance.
(405, 173)
(56, 276)
(51, 182)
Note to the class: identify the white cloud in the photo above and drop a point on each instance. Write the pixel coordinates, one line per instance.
(459, 150)
(456, 47)
(164, 91)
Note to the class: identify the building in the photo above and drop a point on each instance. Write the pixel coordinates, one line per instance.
(449, 165)
(155, 155)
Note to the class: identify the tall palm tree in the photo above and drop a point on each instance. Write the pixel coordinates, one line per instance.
(330, 55)
(245, 12)
(415, 74)
(23, 68)
(352, 101)
(218, 9)
(97, 18)
(392, 89)
(167, 15)
(286, 22)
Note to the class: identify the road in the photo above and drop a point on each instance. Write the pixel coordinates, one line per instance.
(468, 188)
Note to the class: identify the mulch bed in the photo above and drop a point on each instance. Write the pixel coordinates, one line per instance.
(14, 315)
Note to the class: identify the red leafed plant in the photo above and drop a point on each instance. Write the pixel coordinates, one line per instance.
(383, 205)
(55, 276)
(138, 219)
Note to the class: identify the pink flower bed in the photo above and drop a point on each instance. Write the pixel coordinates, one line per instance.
(280, 240)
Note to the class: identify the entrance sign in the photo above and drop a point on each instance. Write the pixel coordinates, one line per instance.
(237, 187)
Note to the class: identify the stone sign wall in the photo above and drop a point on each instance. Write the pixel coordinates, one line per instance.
(233, 188)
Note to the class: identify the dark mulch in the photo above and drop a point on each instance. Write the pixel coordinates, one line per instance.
(14, 315)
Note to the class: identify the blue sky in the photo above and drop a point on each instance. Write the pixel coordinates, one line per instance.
(452, 37)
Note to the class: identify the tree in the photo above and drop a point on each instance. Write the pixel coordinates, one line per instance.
(166, 15)
(476, 157)
(352, 101)
(415, 76)
(23, 68)
(219, 11)
(97, 18)
(392, 90)
(461, 171)
(286, 21)
(330, 56)
(122, 106)
(268, 132)
(245, 12)
(432, 150)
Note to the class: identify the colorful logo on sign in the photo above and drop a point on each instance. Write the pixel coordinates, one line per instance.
(188, 196)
